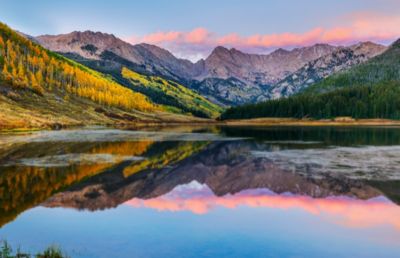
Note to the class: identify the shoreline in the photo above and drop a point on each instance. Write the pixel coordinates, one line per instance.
(257, 122)
(310, 122)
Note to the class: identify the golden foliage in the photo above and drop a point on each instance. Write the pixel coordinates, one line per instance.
(23, 187)
(169, 156)
(27, 65)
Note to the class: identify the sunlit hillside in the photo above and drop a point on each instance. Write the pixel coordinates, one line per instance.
(28, 66)
(171, 94)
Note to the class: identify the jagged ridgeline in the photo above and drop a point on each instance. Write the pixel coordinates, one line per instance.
(368, 90)
(26, 65)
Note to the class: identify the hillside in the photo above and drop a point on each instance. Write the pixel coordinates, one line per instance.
(39, 88)
(368, 90)
(382, 68)
(172, 94)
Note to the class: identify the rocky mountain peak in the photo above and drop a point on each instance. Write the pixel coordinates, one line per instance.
(368, 49)
(219, 52)
(342, 58)
(87, 44)
(280, 51)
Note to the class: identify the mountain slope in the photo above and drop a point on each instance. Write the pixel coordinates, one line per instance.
(170, 93)
(39, 88)
(340, 60)
(96, 45)
(368, 90)
(382, 68)
(229, 92)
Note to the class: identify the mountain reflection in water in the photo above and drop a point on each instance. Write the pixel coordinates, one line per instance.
(207, 169)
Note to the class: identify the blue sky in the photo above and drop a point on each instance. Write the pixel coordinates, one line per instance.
(135, 20)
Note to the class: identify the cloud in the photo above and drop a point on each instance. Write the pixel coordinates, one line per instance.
(355, 27)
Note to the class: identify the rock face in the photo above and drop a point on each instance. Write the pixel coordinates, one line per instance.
(260, 69)
(230, 91)
(316, 70)
(227, 76)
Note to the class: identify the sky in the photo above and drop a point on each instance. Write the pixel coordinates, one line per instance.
(191, 29)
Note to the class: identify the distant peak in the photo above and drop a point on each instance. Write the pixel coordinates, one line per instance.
(79, 34)
(220, 49)
(280, 51)
(366, 44)
(321, 45)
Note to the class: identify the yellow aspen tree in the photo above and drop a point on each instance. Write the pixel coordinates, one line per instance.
(21, 70)
(6, 73)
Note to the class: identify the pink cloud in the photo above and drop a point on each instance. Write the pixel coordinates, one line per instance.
(355, 27)
(199, 35)
(160, 37)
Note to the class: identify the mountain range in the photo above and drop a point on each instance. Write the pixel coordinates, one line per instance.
(369, 89)
(227, 77)
(46, 80)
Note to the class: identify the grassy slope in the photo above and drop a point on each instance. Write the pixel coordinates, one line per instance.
(25, 110)
(172, 94)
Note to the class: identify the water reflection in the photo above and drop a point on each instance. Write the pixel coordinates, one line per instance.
(346, 211)
(346, 176)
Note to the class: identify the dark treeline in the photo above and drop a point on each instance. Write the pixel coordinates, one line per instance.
(379, 101)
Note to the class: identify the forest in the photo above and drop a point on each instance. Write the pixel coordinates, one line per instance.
(379, 101)
(26, 65)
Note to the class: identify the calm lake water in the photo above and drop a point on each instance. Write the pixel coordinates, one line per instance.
(203, 192)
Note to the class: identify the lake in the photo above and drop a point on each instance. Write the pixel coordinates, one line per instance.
(203, 191)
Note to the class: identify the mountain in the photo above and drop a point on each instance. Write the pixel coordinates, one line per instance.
(260, 69)
(153, 65)
(368, 90)
(339, 60)
(226, 77)
(234, 78)
(103, 46)
(39, 88)
(231, 77)
(380, 69)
